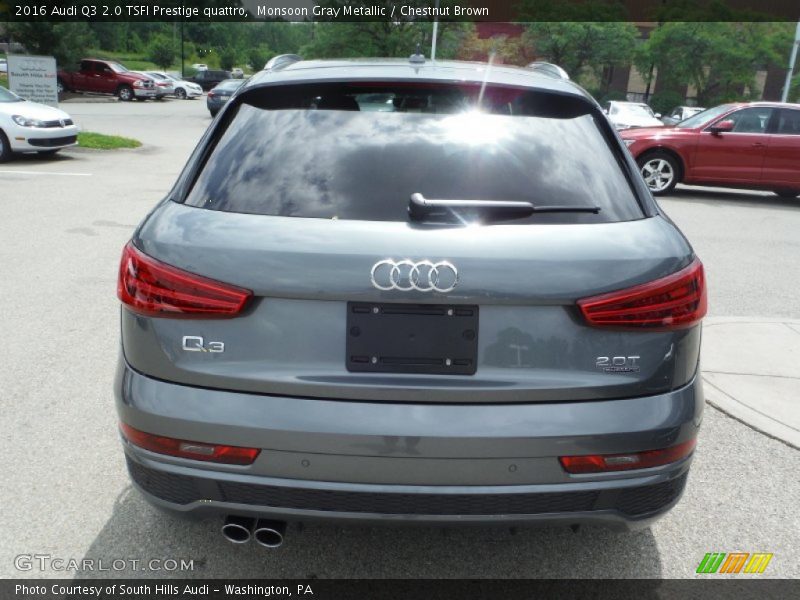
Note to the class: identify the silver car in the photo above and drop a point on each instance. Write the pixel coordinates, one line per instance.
(466, 308)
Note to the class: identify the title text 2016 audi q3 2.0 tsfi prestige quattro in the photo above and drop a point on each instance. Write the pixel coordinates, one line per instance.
(438, 293)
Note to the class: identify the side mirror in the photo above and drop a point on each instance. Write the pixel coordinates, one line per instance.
(722, 126)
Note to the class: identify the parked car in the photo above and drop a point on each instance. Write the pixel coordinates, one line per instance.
(390, 316)
(32, 127)
(680, 113)
(208, 79)
(200, 66)
(219, 96)
(164, 86)
(181, 89)
(627, 115)
(107, 77)
(237, 73)
(740, 145)
(3, 65)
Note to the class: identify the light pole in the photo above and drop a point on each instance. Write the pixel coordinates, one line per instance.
(435, 31)
(792, 59)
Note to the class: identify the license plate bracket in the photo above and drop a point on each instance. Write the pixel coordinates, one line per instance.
(431, 339)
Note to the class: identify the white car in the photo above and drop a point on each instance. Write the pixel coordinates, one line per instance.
(3, 65)
(182, 89)
(164, 86)
(32, 127)
(626, 115)
(237, 73)
(200, 67)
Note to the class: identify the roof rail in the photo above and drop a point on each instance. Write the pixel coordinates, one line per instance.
(549, 69)
(281, 61)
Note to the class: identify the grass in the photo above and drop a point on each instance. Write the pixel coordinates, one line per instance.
(4, 80)
(99, 141)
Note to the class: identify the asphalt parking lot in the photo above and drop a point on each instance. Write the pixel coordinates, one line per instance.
(65, 490)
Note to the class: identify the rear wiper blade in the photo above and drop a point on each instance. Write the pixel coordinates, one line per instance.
(421, 208)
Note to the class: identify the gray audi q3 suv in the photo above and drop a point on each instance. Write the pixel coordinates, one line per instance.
(392, 291)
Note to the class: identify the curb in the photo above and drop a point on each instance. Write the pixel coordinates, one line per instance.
(737, 390)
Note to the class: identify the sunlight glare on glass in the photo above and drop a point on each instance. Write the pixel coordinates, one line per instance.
(475, 127)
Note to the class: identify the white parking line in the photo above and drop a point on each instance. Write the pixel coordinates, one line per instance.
(45, 173)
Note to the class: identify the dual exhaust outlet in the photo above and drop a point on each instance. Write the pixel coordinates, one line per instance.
(268, 533)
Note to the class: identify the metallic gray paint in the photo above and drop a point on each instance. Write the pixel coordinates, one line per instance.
(281, 384)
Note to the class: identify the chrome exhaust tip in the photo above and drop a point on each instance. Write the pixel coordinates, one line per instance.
(269, 533)
(238, 530)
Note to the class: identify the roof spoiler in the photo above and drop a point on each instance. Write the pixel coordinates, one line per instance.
(549, 69)
(282, 60)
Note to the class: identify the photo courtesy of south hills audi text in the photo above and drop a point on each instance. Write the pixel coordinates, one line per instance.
(388, 299)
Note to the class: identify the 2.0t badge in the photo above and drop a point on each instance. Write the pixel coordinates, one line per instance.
(406, 275)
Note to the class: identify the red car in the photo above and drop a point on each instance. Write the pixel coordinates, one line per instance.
(745, 145)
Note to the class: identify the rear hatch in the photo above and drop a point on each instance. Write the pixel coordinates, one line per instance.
(301, 199)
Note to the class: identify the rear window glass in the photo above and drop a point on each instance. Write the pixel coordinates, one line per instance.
(360, 152)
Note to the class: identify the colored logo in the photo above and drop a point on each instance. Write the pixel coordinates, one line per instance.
(734, 562)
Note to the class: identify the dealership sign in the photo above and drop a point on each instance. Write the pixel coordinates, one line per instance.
(33, 78)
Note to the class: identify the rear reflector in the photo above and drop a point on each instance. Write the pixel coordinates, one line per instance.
(676, 301)
(229, 455)
(601, 463)
(155, 289)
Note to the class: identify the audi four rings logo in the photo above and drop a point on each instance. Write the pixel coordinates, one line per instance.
(406, 275)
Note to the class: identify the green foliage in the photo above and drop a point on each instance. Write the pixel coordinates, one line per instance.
(227, 58)
(67, 42)
(719, 59)
(664, 101)
(584, 49)
(794, 90)
(162, 51)
(258, 56)
(597, 38)
(99, 141)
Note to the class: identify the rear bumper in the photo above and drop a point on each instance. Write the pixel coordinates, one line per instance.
(357, 461)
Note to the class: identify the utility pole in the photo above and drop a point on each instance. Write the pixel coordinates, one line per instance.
(182, 49)
(790, 70)
(435, 31)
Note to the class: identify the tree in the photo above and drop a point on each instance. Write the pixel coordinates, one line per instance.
(586, 48)
(67, 42)
(228, 57)
(161, 51)
(390, 38)
(719, 59)
(258, 56)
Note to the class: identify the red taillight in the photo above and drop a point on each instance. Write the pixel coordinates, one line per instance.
(152, 288)
(676, 301)
(229, 455)
(600, 463)
(211, 94)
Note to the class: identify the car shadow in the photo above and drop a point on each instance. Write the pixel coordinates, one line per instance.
(716, 196)
(33, 158)
(138, 531)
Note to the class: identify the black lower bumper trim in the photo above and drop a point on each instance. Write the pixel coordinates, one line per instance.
(180, 489)
(50, 142)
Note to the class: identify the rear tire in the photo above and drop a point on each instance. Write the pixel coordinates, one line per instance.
(180, 94)
(787, 193)
(5, 148)
(61, 88)
(125, 93)
(660, 170)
